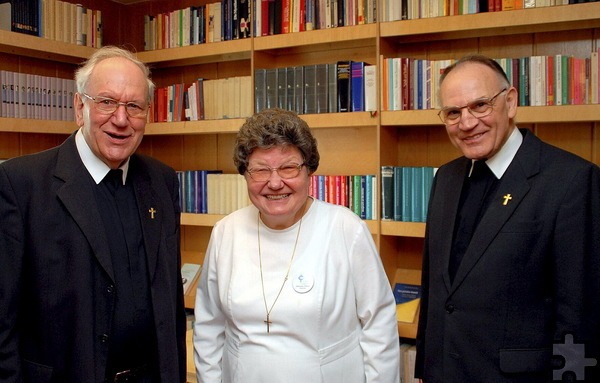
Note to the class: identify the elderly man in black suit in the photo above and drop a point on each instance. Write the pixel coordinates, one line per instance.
(512, 247)
(90, 279)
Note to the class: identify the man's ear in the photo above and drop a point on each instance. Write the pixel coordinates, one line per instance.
(78, 104)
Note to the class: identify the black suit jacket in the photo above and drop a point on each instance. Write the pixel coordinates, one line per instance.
(56, 276)
(529, 277)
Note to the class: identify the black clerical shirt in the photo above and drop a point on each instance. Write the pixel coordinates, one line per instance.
(132, 339)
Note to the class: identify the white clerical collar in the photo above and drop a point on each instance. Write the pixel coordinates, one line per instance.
(501, 160)
(94, 165)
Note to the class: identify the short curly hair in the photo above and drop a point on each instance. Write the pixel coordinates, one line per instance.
(272, 128)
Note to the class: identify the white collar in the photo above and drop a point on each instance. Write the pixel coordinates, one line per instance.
(501, 160)
(94, 165)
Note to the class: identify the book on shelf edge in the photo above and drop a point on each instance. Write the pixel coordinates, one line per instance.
(407, 297)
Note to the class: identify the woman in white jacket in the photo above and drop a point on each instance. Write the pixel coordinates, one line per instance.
(292, 288)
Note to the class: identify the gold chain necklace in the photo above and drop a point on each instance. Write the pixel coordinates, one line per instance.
(287, 273)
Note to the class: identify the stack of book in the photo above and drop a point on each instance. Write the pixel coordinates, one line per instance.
(356, 192)
(203, 100)
(57, 20)
(405, 193)
(39, 97)
(211, 192)
(344, 86)
(409, 84)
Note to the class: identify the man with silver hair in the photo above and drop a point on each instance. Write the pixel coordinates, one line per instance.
(90, 282)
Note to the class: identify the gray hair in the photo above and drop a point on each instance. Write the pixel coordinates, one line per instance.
(82, 75)
(272, 128)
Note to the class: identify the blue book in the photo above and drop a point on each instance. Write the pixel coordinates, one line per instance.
(407, 301)
(398, 193)
(321, 190)
(357, 86)
(197, 191)
(189, 191)
(407, 193)
(417, 195)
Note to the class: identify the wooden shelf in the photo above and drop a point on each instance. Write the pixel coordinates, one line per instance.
(25, 125)
(320, 40)
(533, 20)
(209, 220)
(198, 54)
(403, 229)
(525, 114)
(37, 47)
(194, 127)
(315, 121)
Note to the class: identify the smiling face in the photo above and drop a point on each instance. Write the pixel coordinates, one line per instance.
(478, 138)
(113, 137)
(281, 202)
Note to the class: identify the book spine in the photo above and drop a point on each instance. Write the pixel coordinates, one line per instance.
(343, 86)
(357, 86)
(387, 193)
(321, 85)
(310, 89)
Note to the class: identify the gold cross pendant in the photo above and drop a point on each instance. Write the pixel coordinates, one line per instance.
(268, 323)
(152, 212)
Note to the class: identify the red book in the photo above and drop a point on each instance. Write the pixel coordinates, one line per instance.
(338, 190)
(344, 190)
(550, 80)
(264, 11)
(286, 9)
(406, 91)
(302, 18)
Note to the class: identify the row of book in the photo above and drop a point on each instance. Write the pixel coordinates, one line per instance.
(405, 193)
(211, 192)
(289, 16)
(540, 80)
(38, 97)
(356, 192)
(419, 9)
(236, 19)
(58, 20)
(203, 100)
(344, 86)
(213, 22)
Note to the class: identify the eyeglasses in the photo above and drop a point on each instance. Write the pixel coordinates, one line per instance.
(107, 105)
(481, 107)
(263, 174)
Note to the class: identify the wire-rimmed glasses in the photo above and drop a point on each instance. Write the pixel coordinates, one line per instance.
(263, 173)
(107, 105)
(478, 108)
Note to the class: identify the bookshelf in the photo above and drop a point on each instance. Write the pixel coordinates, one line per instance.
(349, 143)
